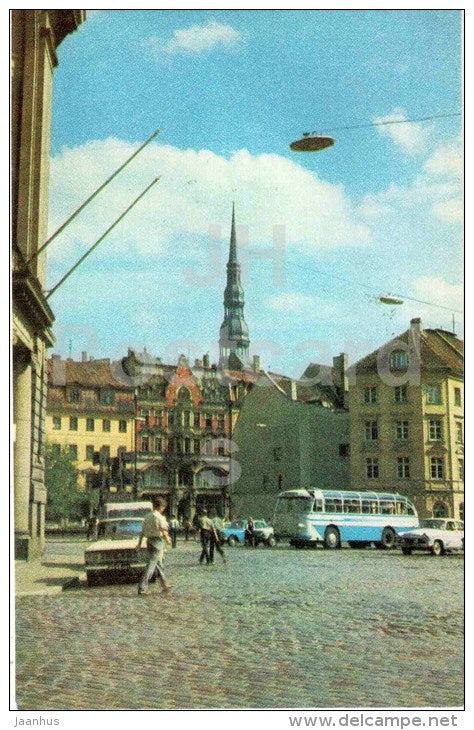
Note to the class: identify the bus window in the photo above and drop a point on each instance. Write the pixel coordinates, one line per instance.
(318, 505)
(401, 508)
(352, 505)
(365, 506)
(387, 507)
(374, 507)
(333, 505)
(411, 509)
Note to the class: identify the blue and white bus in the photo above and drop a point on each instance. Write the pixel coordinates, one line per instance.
(312, 516)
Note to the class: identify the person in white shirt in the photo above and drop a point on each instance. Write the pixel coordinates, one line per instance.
(155, 530)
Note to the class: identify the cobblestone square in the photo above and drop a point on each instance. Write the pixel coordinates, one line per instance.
(273, 628)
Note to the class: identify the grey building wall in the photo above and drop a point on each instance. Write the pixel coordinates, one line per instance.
(284, 444)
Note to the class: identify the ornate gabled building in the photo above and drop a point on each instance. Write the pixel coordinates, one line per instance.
(234, 333)
(184, 421)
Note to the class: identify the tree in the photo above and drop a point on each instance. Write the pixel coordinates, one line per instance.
(63, 498)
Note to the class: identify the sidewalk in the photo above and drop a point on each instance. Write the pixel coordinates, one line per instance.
(46, 576)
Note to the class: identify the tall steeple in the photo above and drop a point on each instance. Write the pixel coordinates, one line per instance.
(234, 333)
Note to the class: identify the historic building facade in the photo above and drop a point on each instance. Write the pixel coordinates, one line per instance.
(35, 35)
(407, 420)
(91, 411)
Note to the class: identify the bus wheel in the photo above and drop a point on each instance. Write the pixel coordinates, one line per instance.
(389, 538)
(332, 538)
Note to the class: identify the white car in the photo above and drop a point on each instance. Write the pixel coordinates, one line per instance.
(115, 553)
(436, 535)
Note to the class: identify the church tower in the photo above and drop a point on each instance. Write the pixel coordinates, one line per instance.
(234, 333)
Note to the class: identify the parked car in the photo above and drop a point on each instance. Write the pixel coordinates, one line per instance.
(435, 535)
(114, 554)
(235, 533)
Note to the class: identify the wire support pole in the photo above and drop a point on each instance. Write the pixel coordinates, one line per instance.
(91, 197)
(94, 246)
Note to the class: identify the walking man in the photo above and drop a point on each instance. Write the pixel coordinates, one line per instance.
(206, 530)
(174, 527)
(155, 530)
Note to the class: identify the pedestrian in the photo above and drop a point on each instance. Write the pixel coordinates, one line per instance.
(174, 527)
(250, 532)
(188, 526)
(92, 526)
(216, 545)
(155, 530)
(206, 529)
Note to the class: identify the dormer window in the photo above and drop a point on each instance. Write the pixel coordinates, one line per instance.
(106, 397)
(399, 360)
(73, 395)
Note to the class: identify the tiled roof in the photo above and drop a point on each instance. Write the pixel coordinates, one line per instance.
(439, 350)
(92, 373)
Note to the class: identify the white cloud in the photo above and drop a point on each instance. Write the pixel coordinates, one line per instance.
(197, 39)
(411, 138)
(195, 192)
(447, 160)
(435, 193)
(449, 211)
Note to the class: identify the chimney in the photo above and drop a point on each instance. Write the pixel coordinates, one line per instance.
(415, 325)
(84, 356)
(205, 360)
(294, 393)
(256, 363)
(340, 364)
(197, 363)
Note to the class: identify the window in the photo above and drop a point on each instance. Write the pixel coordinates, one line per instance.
(105, 450)
(344, 449)
(208, 422)
(440, 510)
(145, 445)
(187, 418)
(89, 424)
(399, 360)
(457, 397)
(57, 423)
(403, 467)
(461, 469)
(372, 468)
(106, 397)
(436, 430)
(437, 467)
(56, 450)
(73, 423)
(371, 431)
(90, 452)
(170, 418)
(197, 420)
(73, 451)
(73, 395)
(370, 394)
(459, 432)
(122, 426)
(402, 430)
(106, 425)
(158, 445)
(333, 505)
(220, 423)
(433, 394)
(197, 446)
(187, 446)
(401, 394)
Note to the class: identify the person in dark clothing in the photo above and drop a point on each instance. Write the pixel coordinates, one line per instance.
(188, 526)
(206, 528)
(250, 532)
(216, 545)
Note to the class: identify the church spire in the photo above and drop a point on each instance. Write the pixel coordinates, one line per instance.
(234, 334)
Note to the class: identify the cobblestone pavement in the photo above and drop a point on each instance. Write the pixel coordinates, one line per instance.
(273, 628)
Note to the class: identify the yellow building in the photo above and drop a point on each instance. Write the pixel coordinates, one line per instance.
(407, 420)
(89, 410)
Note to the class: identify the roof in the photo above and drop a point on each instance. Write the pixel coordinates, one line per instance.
(439, 350)
(91, 373)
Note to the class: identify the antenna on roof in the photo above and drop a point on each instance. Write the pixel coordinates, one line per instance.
(454, 325)
(70, 349)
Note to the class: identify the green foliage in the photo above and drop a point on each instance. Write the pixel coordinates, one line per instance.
(64, 501)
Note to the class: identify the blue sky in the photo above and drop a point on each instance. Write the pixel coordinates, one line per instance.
(380, 211)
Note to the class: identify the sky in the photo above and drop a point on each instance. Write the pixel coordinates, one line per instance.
(321, 236)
